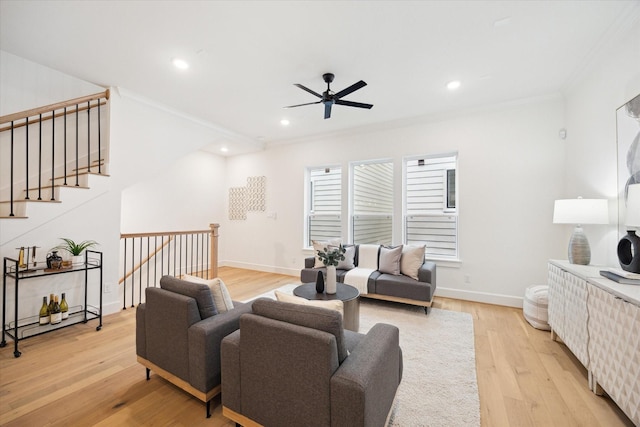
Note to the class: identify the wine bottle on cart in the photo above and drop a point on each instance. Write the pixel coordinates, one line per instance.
(44, 312)
(50, 306)
(64, 307)
(56, 314)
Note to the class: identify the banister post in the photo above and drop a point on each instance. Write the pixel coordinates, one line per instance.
(213, 265)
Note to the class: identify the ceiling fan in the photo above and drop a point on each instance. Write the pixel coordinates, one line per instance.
(328, 97)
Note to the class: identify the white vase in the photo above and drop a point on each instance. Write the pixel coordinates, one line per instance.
(77, 260)
(330, 283)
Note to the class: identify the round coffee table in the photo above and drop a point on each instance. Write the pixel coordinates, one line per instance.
(348, 294)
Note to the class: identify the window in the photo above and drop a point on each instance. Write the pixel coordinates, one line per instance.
(372, 202)
(324, 203)
(430, 204)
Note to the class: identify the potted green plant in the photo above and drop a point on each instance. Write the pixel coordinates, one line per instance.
(76, 249)
(330, 259)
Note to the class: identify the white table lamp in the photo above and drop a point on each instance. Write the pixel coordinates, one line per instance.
(580, 211)
(629, 245)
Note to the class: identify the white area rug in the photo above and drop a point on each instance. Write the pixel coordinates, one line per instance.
(439, 386)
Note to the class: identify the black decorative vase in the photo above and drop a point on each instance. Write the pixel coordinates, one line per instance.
(54, 260)
(629, 252)
(320, 282)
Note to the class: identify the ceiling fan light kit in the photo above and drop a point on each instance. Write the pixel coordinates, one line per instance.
(329, 98)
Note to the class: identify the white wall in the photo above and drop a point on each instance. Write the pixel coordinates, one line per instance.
(25, 85)
(187, 195)
(510, 172)
(591, 165)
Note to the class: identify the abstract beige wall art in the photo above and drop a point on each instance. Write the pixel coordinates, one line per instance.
(256, 186)
(238, 203)
(251, 198)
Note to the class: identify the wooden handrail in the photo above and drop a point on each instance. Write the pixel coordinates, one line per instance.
(48, 108)
(162, 233)
(49, 117)
(137, 267)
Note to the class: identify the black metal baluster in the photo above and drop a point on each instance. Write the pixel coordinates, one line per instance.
(162, 255)
(27, 156)
(65, 146)
(199, 253)
(124, 275)
(191, 258)
(77, 142)
(140, 275)
(208, 255)
(148, 259)
(40, 158)
(133, 265)
(89, 140)
(11, 175)
(99, 144)
(155, 260)
(168, 257)
(53, 152)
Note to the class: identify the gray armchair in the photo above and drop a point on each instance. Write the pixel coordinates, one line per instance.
(179, 333)
(294, 365)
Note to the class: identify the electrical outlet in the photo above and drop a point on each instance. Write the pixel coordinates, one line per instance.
(108, 288)
(467, 278)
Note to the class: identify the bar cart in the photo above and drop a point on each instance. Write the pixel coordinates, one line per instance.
(28, 327)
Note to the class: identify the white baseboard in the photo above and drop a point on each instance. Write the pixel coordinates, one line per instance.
(112, 307)
(484, 297)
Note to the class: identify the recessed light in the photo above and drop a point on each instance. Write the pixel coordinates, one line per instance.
(284, 122)
(180, 63)
(224, 149)
(453, 85)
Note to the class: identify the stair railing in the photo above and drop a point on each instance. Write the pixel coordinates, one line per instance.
(19, 125)
(146, 257)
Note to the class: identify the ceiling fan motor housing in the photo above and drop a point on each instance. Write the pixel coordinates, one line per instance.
(330, 98)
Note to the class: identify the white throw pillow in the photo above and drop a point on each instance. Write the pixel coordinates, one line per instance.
(390, 260)
(348, 262)
(411, 260)
(320, 245)
(368, 256)
(219, 291)
(336, 305)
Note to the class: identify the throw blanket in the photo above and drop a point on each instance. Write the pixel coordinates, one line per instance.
(367, 264)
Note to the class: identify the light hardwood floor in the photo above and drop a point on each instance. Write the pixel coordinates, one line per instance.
(79, 377)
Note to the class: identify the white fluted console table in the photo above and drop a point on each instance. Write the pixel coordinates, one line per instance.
(599, 321)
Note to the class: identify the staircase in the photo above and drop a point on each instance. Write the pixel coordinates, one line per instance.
(46, 152)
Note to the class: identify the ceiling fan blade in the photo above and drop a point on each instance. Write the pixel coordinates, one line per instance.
(307, 90)
(352, 88)
(354, 104)
(327, 109)
(300, 105)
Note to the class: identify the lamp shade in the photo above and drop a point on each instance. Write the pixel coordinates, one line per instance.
(581, 211)
(632, 217)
